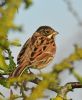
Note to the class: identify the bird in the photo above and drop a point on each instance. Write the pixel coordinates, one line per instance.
(38, 51)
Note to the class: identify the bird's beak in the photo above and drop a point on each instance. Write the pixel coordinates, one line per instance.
(50, 36)
(55, 33)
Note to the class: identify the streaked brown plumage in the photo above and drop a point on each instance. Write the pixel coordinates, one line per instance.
(38, 50)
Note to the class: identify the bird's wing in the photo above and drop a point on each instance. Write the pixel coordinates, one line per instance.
(22, 54)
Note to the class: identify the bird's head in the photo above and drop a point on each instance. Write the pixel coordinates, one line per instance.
(47, 31)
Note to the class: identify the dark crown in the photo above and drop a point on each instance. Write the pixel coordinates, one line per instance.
(44, 28)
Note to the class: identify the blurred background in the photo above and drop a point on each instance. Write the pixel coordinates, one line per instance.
(65, 16)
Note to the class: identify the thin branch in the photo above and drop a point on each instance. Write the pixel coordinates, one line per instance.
(67, 88)
(73, 11)
(72, 85)
(75, 85)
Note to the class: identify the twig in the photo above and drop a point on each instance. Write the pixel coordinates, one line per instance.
(67, 88)
(75, 85)
(73, 11)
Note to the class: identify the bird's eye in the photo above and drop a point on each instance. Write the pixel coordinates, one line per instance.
(46, 32)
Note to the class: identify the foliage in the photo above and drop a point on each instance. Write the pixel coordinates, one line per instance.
(49, 81)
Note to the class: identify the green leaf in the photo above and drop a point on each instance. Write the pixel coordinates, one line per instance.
(3, 64)
(27, 3)
(12, 64)
(3, 82)
(15, 42)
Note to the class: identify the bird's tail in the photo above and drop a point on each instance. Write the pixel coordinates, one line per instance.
(18, 71)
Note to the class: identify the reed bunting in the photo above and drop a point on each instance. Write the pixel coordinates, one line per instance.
(38, 50)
